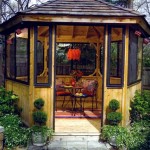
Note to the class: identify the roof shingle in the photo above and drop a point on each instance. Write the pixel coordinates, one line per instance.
(80, 7)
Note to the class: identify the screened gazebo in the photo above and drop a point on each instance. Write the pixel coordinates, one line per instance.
(110, 40)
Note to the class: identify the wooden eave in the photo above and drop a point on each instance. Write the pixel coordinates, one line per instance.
(62, 19)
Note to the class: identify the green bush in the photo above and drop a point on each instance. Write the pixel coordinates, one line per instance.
(136, 137)
(114, 118)
(43, 129)
(114, 105)
(39, 117)
(8, 102)
(39, 103)
(140, 106)
(15, 134)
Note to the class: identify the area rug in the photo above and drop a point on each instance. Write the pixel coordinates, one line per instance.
(85, 114)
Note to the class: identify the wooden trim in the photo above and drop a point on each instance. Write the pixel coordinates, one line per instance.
(81, 19)
(108, 56)
(15, 64)
(49, 58)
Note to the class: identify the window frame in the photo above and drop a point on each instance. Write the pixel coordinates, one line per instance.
(49, 53)
(129, 60)
(109, 53)
(28, 57)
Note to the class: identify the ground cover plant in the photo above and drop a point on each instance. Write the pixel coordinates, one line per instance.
(15, 133)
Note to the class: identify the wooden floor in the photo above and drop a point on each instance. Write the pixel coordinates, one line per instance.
(77, 125)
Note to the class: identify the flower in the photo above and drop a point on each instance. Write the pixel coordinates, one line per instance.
(77, 74)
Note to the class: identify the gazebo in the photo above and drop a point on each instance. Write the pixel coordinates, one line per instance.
(109, 37)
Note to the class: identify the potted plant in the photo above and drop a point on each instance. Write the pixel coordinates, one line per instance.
(114, 135)
(40, 132)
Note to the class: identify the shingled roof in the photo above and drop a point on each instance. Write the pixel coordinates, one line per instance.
(80, 7)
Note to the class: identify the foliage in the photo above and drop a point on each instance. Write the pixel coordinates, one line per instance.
(114, 118)
(39, 117)
(114, 105)
(118, 132)
(140, 120)
(76, 74)
(8, 102)
(39, 103)
(146, 56)
(42, 129)
(15, 133)
(139, 134)
(140, 106)
(123, 3)
(133, 138)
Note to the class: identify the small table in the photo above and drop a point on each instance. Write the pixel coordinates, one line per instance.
(75, 97)
(74, 90)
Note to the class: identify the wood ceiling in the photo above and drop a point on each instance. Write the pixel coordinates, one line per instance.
(84, 34)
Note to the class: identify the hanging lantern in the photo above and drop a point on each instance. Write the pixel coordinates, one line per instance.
(69, 54)
(138, 33)
(74, 54)
(146, 41)
(18, 31)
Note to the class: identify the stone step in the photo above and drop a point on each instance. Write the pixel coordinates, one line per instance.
(74, 141)
(76, 137)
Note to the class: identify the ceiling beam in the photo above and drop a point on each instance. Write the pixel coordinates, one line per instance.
(97, 31)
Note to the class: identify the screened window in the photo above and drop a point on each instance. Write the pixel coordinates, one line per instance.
(86, 64)
(17, 55)
(22, 55)
(42, 55)
(115, 56)
(135, 57)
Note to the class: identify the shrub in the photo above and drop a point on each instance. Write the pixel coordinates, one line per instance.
(114, 118)
(39, 103)
(14, 132)
(39, 117)
(114, 105)
(136, 137)
(8, 102)
(140, 106)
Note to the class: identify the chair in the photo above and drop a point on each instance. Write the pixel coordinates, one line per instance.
(60, 91)
(90, 90)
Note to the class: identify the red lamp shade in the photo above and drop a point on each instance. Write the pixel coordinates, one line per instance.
(138, 33)
(146, 41)
(74, 54)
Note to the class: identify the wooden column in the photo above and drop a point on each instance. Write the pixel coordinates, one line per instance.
(31, 86)
(105, 76)
(52, 101)
(125, 101)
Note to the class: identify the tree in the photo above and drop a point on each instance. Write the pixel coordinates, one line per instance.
(123, 3)
(143, 6)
